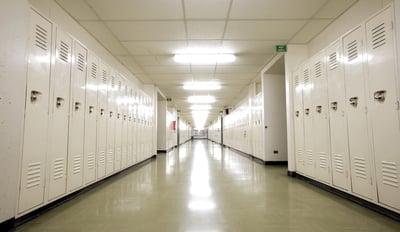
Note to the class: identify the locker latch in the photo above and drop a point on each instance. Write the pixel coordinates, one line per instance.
(101, 112)
(35, 95)
(334, 105)
(307, 111)
(111, 114)
(380, 95)
(124, 117)
(297, 113)
(118, 116)
(59, 102)
(91, 109)
(318, 109)
(353, 101)
(77, 106)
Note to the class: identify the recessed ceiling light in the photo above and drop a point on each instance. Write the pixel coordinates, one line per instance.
(201, 99)
(204, 85)
(204, 56)
(200, 107)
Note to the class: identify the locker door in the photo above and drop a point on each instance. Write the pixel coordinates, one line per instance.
(298, 122)
(59, 111)
(130, 129)
(337, 117)
(308, 122)
(77, 119)
(124, 155)
(90, 120)
(361, 159)
(102, 115)
(135, 129)
(111, 88)
(32, 182)
(321, 146)
(118, 126)
(384, 106)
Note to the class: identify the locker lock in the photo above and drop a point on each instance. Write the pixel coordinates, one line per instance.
(318, 109)
(35, 95)
(380, 96)
(111, 114)
(77, 106)
(307, 111)
(91, 109)
(59, 102)
(297, 113)
(353, 101)
(124, 117)
(101, 112)
(118, 116)
(334, 106)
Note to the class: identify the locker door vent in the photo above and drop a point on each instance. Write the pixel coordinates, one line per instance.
(58, 170)
(378, 35)
(323, 161)
(306, 76)
(102, 157)
(309, 157)
(112, 82)
(296, 81)
(339, 163)
(33, 175)
(76, 164)
(332, 61)
(94, 70)
(300, 155)
(318, 69)
(119, 85)
(390, 174)
(41, 37)
(360, 167)
(352, 50)
(81, 62)
(104, 77)
(63, 49)
(91, 161)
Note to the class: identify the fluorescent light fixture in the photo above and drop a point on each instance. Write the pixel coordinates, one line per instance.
(200, 107)
(202, 85)
(204, 58)
(200, 112)
(201, 99)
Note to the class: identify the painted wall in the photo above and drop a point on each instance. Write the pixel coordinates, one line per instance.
(172, 134)
(162, 125)
(13, 29)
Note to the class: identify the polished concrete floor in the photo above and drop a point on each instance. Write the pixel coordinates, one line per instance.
(202, 187)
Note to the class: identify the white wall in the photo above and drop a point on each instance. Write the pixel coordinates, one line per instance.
(161, 125)
(172, 138)
(273, 88)
(13, 30)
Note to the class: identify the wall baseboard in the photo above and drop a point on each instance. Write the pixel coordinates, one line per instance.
(7, 225)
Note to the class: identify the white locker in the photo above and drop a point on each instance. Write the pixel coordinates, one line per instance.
(32, 182)
(308, 121)
(299, 122)
(102, 115)
(361, 160)
(321, 144)
(111, 88)
(124, 112)
(337, 117)
(59, 111)
(135, 128)
(118, 125)
(77, 118)
(90, 120)
(384, 105)
(130, 127)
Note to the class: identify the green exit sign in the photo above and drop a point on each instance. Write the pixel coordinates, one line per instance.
(280, 48)
(169, 99)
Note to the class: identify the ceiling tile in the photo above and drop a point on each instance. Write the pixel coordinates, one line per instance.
(310, 30)
(138, 9)
(78, 9)
(154, 47)
(204, 43)
(252, 59)
(203, 68)
(238, 68)
(251, 47)
(166, 69)
(334, 8)
(206, 9)
(146, 60)
(105, 37)
(265, 30)
(148, 30)
(205, 29)
(275, 9)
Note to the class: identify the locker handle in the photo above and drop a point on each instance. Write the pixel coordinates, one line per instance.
(318, 109)
(334, 105)
(91, 109)
(111, 114)
(307, 111)
(297, 113)
(35, 95)
(77, 106)
(130, 118)
(124, 117)
(118, 116)
(380, 95)
(101, 112)
(353, 101)
(59, 102)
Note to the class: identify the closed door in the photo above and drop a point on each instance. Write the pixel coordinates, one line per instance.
(102, 116)
(299, 122)
(308, 122)
(111, 88)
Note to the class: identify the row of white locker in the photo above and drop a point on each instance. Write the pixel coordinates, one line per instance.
(83, 120)
(346, 105)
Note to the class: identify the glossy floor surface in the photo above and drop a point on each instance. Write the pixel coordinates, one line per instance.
(202, 187)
